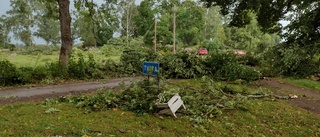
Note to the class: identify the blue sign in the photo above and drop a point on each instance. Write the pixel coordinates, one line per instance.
(150, 68)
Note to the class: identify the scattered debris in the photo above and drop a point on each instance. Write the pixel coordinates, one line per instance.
(275, 96)
(121, 130)
(51, 110)
(293, 96)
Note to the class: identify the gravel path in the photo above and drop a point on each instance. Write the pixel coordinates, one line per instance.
(39, 93)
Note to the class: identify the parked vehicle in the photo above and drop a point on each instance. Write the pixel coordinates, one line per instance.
(240, 53)
(202, 51)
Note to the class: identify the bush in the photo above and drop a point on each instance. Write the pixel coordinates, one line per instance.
(292, 61)
(112, 68)
(182, 65)
(35, 50)
(132, 61)
(8, 73)
(78, 68)
(109, 50)
(225, 65)
(55, 70)
(139, 98)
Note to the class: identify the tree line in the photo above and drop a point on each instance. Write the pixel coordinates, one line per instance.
(216, 24)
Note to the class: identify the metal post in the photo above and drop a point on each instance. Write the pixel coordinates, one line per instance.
(155, 34)
(158, 83)
(148, 83)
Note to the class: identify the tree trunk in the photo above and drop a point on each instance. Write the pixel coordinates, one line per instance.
(65, 29)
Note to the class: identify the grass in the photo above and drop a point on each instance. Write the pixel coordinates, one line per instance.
(21, 60)
(29, 60)
(305, 83)
(19, 120)
(268, 118)
(262, 118)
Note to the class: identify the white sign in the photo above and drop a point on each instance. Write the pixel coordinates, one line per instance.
(172, 106)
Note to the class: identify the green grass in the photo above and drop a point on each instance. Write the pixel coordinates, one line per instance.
(39, 60)
(28, 60)
(305, 83)
(268, 118)
(261, 118)
(31, 120)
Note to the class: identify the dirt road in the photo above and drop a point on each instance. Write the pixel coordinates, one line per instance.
(307, 99)
(39, 93)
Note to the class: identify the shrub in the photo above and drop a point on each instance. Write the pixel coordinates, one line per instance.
(139, 98)
(182, 65)
(224, 65)
(8, 73)
(55, 70)
(35, 50)
(109, 50)
(112, 68)
(292, 61)
(133, 62)
(78, 68)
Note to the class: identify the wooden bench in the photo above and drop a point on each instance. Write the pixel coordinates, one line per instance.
(172, 106)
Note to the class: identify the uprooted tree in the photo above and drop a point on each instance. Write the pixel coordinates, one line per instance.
(302, 38)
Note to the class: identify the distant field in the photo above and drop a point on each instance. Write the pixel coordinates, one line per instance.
(29, 60)
(21, 60)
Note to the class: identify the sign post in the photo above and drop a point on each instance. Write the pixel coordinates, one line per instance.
(151, 68)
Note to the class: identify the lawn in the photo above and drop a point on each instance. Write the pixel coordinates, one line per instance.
(263, 117)
(305, 83)
(29, 60)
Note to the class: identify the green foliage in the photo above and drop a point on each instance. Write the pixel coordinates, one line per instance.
(269, 13)
(212, 45)
(190, 24)
(8, 73)
(95, 24)
(55, 70)
(47, 25)
(140, 97)
(213, 28)
(128, 10)
(79, 68)
(164, 30)
(20, 20)
(225, 65)
(32, 75)
(203, 104)
(133, 61)
(109, 50)
(4, 36)
(101, 101)
(36, 50)
(293, 61)
(182, 65)
(145, 18)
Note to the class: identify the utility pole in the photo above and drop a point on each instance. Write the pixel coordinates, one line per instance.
(127, 6)
(4, 38)
(155, 34)
(174, 29)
